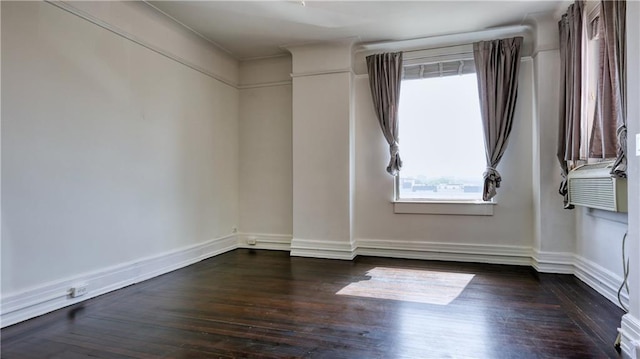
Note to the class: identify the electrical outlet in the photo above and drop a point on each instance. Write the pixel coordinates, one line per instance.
(638, 144)
(251, 241)
(78, 290)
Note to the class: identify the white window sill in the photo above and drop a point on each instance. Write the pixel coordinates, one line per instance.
(463, 208)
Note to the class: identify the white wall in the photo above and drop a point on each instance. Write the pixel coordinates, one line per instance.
(321, 158)
(631, 321)
(555, 227)
(265, 149)
(154, 29)
(111, 152)
(599, 237)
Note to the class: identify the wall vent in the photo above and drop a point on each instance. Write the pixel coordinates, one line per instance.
(593, 186)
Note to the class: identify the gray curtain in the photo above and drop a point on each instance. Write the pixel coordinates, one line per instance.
(385, 76)
(570, 28)
(613, 17)
(497, 66)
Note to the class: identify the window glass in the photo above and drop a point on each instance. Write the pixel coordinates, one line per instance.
(441, 141)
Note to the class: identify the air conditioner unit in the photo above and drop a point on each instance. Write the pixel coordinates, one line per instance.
(592, 186)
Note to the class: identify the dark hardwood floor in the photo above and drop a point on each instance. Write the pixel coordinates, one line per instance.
(265, 304)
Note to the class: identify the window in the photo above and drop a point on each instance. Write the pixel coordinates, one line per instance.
(590, 74)
(440, 132)
(598, 127)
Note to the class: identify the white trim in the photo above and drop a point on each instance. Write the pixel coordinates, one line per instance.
(17, 307)
(553, 262)
(265, 84)
(64, 5)
(595, 276)
(630, 332)
(265, 57)
(322, 249)
(479, 253)
(465, 208)
(602, 280)
(278, 242)
(324, 72)
(350, 40)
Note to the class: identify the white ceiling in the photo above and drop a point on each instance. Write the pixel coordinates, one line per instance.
(248, 29)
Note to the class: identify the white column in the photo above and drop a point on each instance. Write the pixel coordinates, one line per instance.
(322, 150)
(554, 237)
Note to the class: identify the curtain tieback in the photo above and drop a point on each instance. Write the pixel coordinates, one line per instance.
(491, 182)
(395, 163)
(622, 137)
(620, 165)
(493, 175)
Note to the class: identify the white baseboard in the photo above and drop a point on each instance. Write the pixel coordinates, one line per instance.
(52, 296)
(322, 249)
(496, 254)
(602, 280)
(595, 276)
(278, 242)
(630, 331)
(553, 262)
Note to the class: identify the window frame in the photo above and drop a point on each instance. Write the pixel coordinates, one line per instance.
(447, 207)
(591, 11)
(451, 206)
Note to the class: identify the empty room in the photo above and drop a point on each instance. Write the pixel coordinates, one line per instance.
(320, 179)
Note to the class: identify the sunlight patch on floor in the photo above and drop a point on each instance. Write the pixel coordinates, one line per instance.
(412, 285)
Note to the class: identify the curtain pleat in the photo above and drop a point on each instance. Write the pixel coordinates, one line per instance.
(497, 67)
(568, 151)
(385, 76)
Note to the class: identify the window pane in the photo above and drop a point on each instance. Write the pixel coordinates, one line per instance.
(441, 142)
